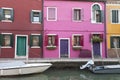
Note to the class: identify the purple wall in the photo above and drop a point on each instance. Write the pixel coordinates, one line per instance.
(64, 27)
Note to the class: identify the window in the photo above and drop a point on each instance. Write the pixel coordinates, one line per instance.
(51, 40)
(6, 40)
(6, 14)
(115, 16)
(51, 14)
(115, 41)
(97, 14)
(36, 16)
(76, 14)
(36, 40)
(78, 40)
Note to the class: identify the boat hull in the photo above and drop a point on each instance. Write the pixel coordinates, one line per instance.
(25, 69)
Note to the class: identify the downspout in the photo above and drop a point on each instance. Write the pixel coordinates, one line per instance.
(42, 49)
(105, 32)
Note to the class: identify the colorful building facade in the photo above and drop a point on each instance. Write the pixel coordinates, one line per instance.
(74, 30)
(113, 28)
(20, 28)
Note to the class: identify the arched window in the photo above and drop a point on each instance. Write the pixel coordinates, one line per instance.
(97, 14)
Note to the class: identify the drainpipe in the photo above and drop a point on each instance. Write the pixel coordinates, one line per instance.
(105, 32)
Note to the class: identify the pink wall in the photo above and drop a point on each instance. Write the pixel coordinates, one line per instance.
(64, 27)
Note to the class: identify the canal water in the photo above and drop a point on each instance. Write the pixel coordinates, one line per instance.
(65, 74)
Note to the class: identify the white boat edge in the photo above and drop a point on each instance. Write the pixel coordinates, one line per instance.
(12, 69)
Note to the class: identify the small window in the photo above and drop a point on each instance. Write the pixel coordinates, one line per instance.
(77, 14)
(36, 16)
(97, 14)
(51, 14)
(7, 14)
(36, 41)
(115, 16)
(115, 41)
(78, 40)
(51, 40)
(6, 40)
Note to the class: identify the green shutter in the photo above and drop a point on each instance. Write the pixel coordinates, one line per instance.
(31, 40)
(31, 16)
(0, 14)
(11, 40)
(102, 16)
(40, 17)
(40, 41)
(111, 42)
(12, 15)
(0, 40)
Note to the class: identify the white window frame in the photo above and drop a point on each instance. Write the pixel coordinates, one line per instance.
(6, 46)
(9, 9)
(39, 16)
(114, 36)
(79, 15)
(94, 21)
(55, 14)
(73, 40)
(118, 16)
(35, 35)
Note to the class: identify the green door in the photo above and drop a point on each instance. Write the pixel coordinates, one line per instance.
(21, 46)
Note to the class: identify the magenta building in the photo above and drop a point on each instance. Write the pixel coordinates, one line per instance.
(74, 29)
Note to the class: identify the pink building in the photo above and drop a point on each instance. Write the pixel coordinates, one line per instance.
(73, 29)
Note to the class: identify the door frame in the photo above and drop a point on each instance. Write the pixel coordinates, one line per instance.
(68, 46)
(16, 37)
(100, 50)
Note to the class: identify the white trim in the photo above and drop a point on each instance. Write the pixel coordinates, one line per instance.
(36, 34)
(7, 33)
(36, 10)
(73, 14)
(51, 34)
(115, 35)
(100, 49)
(26, 46)
(92, 13)
(77, 34)
(55, 13)
(117, 15)
(68, 46)
(6, 8)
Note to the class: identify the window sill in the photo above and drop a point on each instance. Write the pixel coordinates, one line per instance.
(36, 22)
(35, 47)
(77, 20)
(50, 47)
(6, 47)
(97, 22)
(77, 47)
(6, 21)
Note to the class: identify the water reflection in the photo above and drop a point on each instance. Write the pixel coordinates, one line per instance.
(65, 74)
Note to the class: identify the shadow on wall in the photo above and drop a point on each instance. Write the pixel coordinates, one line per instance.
(85, 53)
(112, 53)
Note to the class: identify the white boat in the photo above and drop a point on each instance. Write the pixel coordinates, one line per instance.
(21, 68)
(101, 69)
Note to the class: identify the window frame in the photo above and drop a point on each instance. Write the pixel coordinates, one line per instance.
(80, 46)
(80, 15)
(117, 15)
(11, 40)
(40, 16)
(55, 14)
(111, 45)
(31, 41)
(3, 16)
(101, 10)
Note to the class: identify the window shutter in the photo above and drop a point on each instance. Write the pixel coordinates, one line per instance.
(0, 14)
(111, 42)
(46, 40)
(40, 41)
(40, 17)
(0, 40)
(12, 15)
(119, 42)
(82, 40)
(102, 16)
(11, 40)
(101, 36)
(82, 14)
(31, 40)
(56, 40)
(31, 16)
